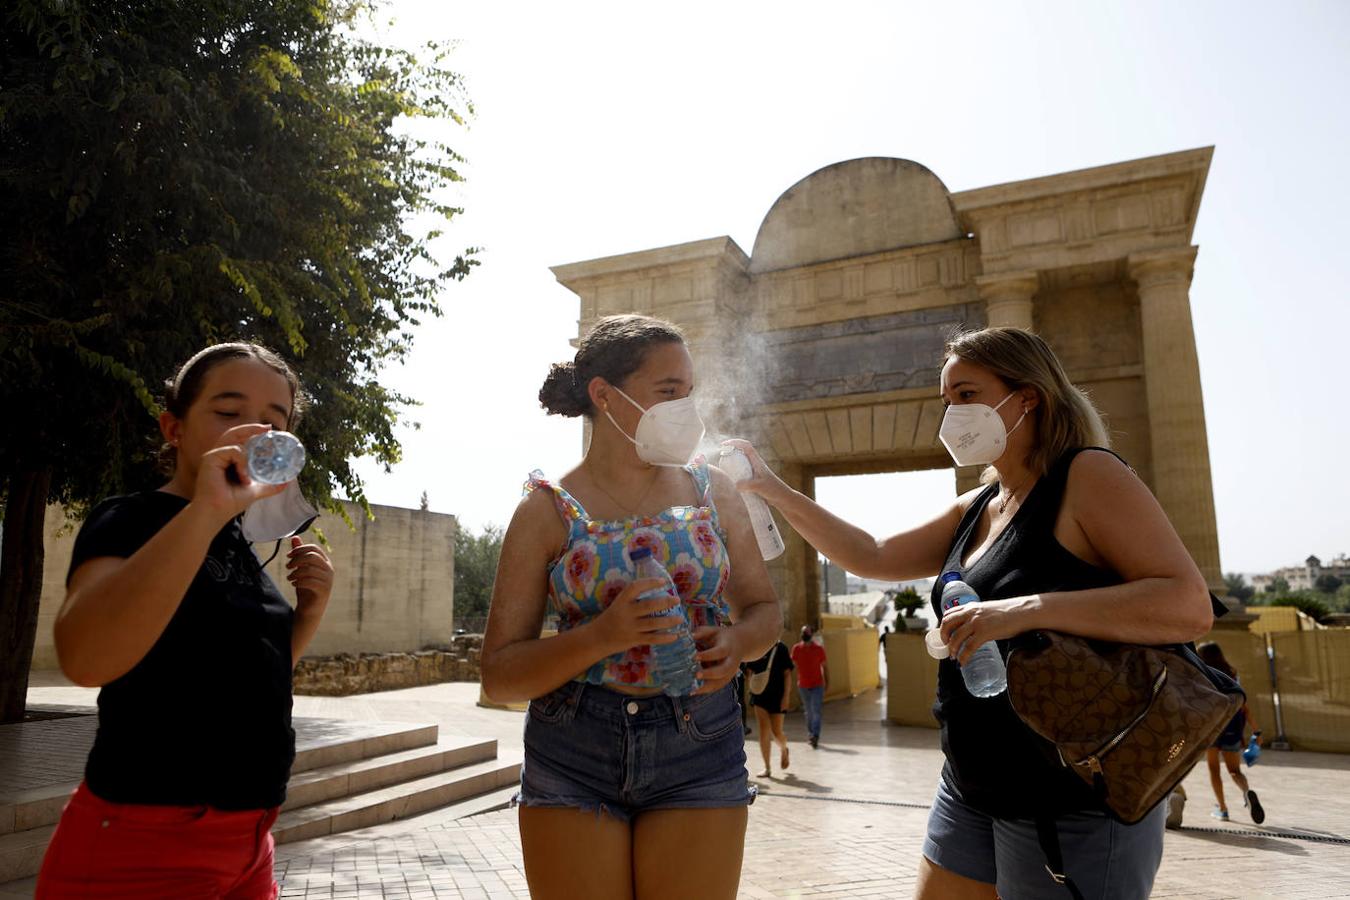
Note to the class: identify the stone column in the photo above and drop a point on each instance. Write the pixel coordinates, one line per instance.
(1176, 409)
(794, 573)
(1008, 298)
(967, 478)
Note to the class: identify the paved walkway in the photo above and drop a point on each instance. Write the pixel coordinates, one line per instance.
(845, 821)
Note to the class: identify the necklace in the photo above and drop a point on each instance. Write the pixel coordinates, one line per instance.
(1005, 499)
(631, 510)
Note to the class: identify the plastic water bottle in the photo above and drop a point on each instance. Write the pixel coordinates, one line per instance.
(984, 674)
(274, 457)
(737, 465)
(1252, 752)
(676, 667)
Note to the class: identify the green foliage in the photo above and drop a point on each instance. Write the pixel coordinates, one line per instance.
(174, 173)
(1327, 584)
(475, 570)
(1238, 588)
(1277, 585)
(907, 601)
(1314, 603)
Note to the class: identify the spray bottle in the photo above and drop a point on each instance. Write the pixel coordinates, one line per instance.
(737, 465)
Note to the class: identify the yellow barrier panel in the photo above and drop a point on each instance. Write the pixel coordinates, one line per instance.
(1313, 671)
(911, 680)
(852, 662)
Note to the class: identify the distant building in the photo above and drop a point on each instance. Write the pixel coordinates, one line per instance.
(1304, 577)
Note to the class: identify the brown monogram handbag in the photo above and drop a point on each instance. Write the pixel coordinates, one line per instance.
(1129, 720)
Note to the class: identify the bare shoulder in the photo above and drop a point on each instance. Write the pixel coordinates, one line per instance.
(537, 518)
(963, 503)
(1093, 470)
(721, 482)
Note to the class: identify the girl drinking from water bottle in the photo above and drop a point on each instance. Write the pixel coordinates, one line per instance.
(627, 791)
(169, 612)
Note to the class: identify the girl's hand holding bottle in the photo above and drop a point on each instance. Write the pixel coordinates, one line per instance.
(224, 487)
(630, 622)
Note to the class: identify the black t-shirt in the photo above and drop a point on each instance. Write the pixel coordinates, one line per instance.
(205, 717)
(994, 761)
(772, 698)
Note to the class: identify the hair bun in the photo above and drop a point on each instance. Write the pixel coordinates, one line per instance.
(560, 395)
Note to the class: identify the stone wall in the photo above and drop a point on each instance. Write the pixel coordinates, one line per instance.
(346, 673)
(393, 589)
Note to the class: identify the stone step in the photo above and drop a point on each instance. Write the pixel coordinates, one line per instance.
(398, 801)
(327, 742)
(344, 779)
(21, 852)
(320, 744)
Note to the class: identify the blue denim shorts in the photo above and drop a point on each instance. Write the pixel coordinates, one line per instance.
(595, 749)
(1106, 859)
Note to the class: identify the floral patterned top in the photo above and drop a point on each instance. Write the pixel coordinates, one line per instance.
(594, 567)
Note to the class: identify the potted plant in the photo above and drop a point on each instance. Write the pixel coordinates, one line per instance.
(907, 603)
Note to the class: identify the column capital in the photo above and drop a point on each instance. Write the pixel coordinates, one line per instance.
(1008, 285)
(1007, 298)
(1157, 267)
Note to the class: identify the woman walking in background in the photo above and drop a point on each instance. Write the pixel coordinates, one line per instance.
(1229, 745)
(170, 613)
(626, 791)
(772, 675)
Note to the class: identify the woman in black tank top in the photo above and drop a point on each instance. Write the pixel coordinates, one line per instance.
(1063, 535)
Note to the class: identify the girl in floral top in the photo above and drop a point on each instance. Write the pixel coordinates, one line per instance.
(625, 791)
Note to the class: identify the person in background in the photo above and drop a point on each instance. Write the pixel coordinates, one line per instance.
(808, 657)
(772, 672)
(169, 612)
(1229, 745)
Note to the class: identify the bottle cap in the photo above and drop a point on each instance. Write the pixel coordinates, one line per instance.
(639, 553)
(936, 646)
(948, 577)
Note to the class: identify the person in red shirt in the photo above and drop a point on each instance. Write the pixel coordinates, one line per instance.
(812, 680)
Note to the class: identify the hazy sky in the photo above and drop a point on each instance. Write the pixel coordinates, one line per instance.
(607, 128)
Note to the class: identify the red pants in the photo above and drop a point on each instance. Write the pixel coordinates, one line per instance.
(124, 850)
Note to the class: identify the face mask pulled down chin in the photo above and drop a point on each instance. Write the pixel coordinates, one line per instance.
(278, 516)
(974, 434)
(668, 433)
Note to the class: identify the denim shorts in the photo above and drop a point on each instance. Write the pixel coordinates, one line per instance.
(591, 748)
(1106, 859)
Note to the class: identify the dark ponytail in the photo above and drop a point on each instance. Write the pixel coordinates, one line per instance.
(613, 349)
(560, 394)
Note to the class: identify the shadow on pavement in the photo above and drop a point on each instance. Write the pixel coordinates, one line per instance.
(1247, 841)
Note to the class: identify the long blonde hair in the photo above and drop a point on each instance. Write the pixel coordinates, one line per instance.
(1065, 417)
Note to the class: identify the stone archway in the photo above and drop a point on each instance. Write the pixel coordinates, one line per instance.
(823, 344)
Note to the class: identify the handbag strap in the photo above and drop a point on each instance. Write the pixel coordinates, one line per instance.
(1047, 833)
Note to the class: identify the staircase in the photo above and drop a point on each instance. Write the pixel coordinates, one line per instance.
(347, 775)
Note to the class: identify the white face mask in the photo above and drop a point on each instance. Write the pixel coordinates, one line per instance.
(974, 434)
(667, 434)
(278, 516)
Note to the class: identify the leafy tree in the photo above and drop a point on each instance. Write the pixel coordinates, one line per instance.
(174, 173)
(1278, 585)
(475, 570)
(1238, 588)
(1327, 584)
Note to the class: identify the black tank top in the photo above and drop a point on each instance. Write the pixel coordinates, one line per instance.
(995, 762)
